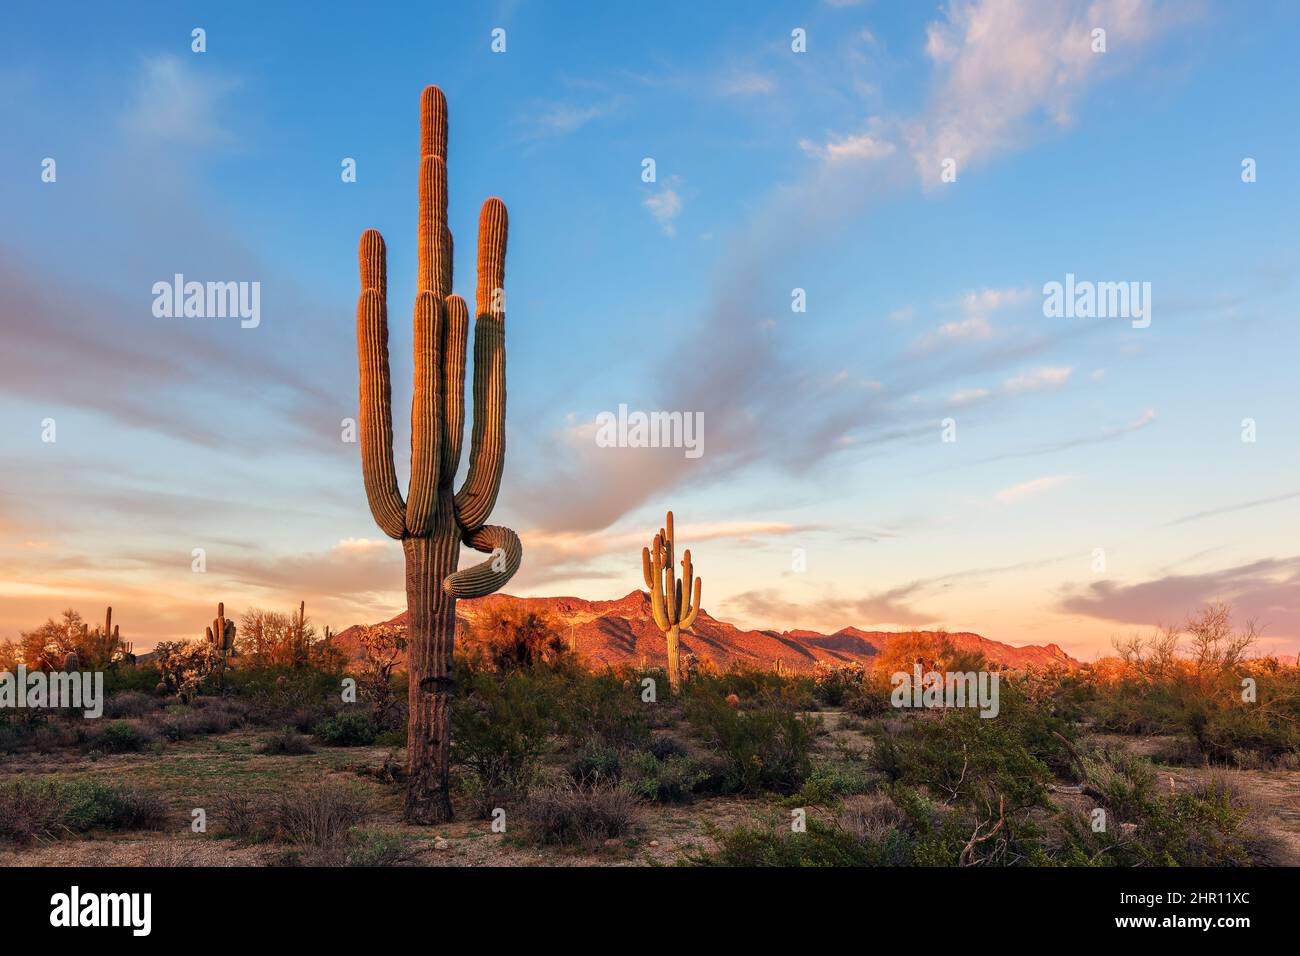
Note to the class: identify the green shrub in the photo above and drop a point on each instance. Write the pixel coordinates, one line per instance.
(673, 779)
(595, 762)
(500, 728)
(50, 809)
(347, 729)
(764, 749)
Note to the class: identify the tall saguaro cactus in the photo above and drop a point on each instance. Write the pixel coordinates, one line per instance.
(433, 522)
(670, 596)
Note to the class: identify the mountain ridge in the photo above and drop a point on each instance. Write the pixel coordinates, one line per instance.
(622, 631)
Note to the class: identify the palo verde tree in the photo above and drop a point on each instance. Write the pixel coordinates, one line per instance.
(434, 521)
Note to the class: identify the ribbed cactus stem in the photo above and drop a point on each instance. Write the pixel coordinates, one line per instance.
(671, 601)
(434, 520)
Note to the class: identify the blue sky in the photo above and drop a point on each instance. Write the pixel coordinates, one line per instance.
(775, 170)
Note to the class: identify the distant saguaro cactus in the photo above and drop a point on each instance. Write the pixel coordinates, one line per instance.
(670, 597)
(433, 522)
(221, 634)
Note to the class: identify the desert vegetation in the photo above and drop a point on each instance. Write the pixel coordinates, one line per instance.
(1184, 743)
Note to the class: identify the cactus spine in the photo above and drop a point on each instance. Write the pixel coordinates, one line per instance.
(433, 522)
(670, 597)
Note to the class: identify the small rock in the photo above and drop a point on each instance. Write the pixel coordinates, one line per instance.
(611, 842)
(654, 842)
(441, 844)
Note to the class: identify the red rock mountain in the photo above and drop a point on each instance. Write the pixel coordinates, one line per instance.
(624, 632)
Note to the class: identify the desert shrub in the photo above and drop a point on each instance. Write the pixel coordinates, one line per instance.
(606, 708)
(673, 779)
(320, 815)
(568, 814)
(347, 729)
(822, 844)
(500, 727)
(665, 746)
(131, 703)
(49, 809)
(379, 848)
(595, 762)
(830, 782)
(184, 721)
(510, 637)
(285, 743)
(29, 810)
(115, 737)
(1202, 825)
(836, 686)
(239, 813)
(759, 688)
(764, 749)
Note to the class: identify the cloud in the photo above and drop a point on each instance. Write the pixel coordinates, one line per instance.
(973, 329)
(665, 206)
(1229, 509)
(848, 148)
(554, 119)
(746, 83)
(178, 104)
(1267, 591)
(1048, 377)
(763, 401)
(1003, 68)
(767, 608)
(1028, 488)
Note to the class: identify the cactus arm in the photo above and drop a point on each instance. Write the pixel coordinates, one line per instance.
(434, 269)
(426, 415)
(483, 579)
(377, 469)
(476, 497)
(657, 588)
(645, 569)
(455, 335)
(695, 608)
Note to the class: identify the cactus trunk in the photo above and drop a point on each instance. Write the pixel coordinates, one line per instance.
(433, 522)
(674, 662)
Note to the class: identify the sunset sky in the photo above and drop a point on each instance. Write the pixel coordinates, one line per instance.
(775, 171)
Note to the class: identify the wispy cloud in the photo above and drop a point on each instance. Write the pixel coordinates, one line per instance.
(665, 205)
(1028, 489)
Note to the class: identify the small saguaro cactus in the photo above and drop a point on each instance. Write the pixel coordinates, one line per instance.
(221, 633)
(435, 520)
(670, 597)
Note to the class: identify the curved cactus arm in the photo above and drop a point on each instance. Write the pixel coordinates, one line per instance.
(484, 579)
(476, 497)
(377, 469)
(645, 569)
(455, 337)
(426, 415)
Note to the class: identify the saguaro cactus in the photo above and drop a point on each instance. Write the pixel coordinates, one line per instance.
(221, 633)
(433, 522)
(670, 597)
